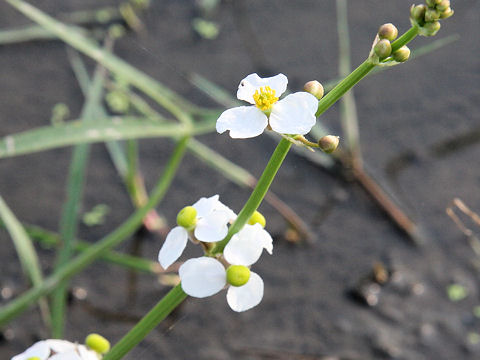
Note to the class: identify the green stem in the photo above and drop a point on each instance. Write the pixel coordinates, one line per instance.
(164, 307)
(359, 73)
(258, 193)
(80, 262)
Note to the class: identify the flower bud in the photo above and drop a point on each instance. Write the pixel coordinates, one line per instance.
(383, 48)
(431, 28)
(431, 15)
(388, 31)
(418, 13)
(402, 54)
(443, 5)
(187, 217)
(97, 343)
(328, 143)
(431, 3)
(315, 88)
(238, 275)
(257, 217)
(446, 14)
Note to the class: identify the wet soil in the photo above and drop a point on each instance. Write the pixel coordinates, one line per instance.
(417, 124)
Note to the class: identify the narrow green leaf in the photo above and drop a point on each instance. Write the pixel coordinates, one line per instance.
(101, 130)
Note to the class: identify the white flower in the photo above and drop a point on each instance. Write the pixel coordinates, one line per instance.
(205, 276)
(53, 349)
(211, 225)
(294, 114)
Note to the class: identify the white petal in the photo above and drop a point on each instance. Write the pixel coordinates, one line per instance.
(86, 354)
(243, 122)
(39, 349)
(231, 214)
(60, 346)
(245, 247)
(295, 114)
(69, 355)
(205, 206)
(245, 297)
(202, 277)
(213, 227)
(253, 82)
(173, 246)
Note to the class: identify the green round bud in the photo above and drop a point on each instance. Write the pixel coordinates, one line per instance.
(388, 31)
(418, 13)
(97, 343)
(431, 15)
(383, 48)
(431, 28)
(443, 5)
(187, 217)
(431, 3)
(118, 101)
(402, 54)
(257, 217)
(315, 88)
(446, 14)
(238, 275)
(329, 143)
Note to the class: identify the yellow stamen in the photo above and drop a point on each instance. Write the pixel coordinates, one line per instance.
(265, 98)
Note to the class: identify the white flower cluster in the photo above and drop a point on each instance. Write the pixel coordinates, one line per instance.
(207, 222)
(54, 349)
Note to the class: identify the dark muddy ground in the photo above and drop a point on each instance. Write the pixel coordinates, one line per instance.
(308, 311)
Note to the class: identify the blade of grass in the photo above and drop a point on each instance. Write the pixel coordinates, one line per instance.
(348, 111)
(172, 102)
(80, 262)
(51, 239)
(138, 195)
(100, 130)
(71, 208)
(26, 253)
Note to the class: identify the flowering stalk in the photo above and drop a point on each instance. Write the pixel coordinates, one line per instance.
(258, 193)
(359, 73)
(164, 307)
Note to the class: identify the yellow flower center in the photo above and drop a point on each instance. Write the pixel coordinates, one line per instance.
(265, 98)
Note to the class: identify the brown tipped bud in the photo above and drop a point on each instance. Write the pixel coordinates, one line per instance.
(444, 5)
(402, 54)
(388, 31)
(431, 15)
(446, 14)
(328, 143)
(315, 88)
(431, 28)
(383, 48)
(418, 13)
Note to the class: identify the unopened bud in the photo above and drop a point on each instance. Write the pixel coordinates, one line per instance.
(418, 13)
(388, 31)
(446, 14)
(238, 275)
(328, 143)
(402, 54)
(315, 88)
(444, 5)
(187, 217)
(431, 28)
(431, 3)
(257, 217)
(97, 343)
(383, 48)
(431, 15)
